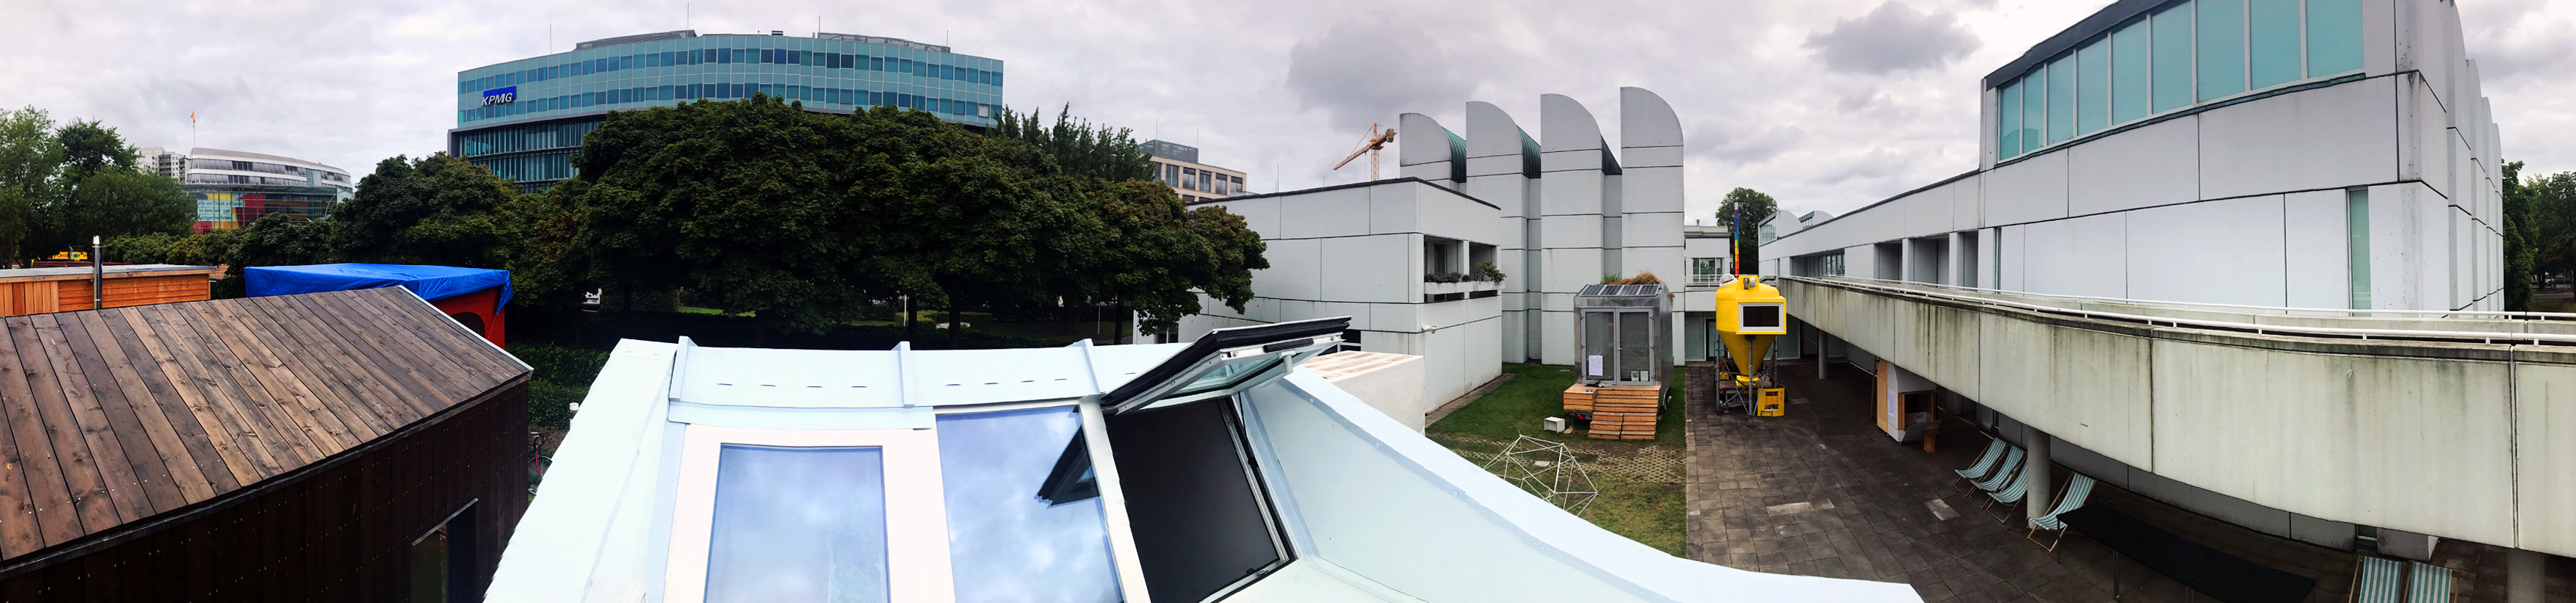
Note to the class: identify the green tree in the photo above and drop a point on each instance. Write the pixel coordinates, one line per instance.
(433, 210)
(89, 146)
(805, 220)
(1079, 148)
(2519, 257)
(1742, 227)
(98, 192)
(30, 159)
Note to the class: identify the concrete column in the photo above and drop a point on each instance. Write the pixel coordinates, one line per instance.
(1820, 352)
(2035, 472)
(2523, 577)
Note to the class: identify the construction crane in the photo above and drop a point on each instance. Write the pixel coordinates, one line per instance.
(1376, 142)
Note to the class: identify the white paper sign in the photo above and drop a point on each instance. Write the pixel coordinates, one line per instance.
(1595, 359)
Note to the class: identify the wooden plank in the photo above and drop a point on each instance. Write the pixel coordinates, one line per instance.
(154, 482)
(456, 380)
(269, 449)
(293, 443)
(420, 390)
(282, 386)
(19, 533)
(57, 519)
(143, 402)
(168, 409)
(106, 450)
(320, 366)
(196, 413)
(85, 484)
(354, 368)
(471, 353)
(312, 403)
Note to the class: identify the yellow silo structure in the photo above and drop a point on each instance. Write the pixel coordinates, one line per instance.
(1749, 314)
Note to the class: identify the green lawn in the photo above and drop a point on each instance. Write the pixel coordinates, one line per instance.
(1649, 512)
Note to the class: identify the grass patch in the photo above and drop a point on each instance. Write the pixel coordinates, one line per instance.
(1537, 391)
(1647, 512)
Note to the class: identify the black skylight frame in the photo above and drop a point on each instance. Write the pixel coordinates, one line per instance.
(1286, 343)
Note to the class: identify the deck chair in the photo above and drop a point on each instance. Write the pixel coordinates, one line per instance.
(2068, 499)
(2429, 584)
(2003, 472)
(2377, 582)
(2011, 493)
(1985, 463)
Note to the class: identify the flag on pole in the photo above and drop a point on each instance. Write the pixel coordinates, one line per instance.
(192, 118)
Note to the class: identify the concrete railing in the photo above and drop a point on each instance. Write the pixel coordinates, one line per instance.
(2455, 427)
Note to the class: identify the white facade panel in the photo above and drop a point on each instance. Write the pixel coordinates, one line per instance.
(1928, 212)
(1356, 268)
(1335, 213)
(2028, 190)
(2080, 256)
(2146, 167)
(1968, 203)
(2317, 268)
(2328, 137)
(2224, 252)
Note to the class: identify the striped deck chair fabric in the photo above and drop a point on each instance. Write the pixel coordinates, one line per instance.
(2012, 493)
(2378, 582)
(2003, 472)
(2076, 491)
(2430, 584)
(1985, 463)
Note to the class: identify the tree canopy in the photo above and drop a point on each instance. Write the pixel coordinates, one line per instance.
(801, 219)
(59, 185)
(1742, 228)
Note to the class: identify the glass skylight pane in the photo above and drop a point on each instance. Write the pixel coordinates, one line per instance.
(798, 524)
(1226, 374)
(1024, 518)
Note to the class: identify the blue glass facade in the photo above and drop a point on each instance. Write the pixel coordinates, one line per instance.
(522, 119)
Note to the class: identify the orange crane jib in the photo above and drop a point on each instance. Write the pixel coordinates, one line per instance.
(1376, 141)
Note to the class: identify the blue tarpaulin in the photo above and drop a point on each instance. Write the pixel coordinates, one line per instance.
(431, 283)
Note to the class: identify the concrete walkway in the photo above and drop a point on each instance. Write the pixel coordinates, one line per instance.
(1822, 492)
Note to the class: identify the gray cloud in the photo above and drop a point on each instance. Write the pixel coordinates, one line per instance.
(1893, 38)
(1880, 100)
(1371, 69)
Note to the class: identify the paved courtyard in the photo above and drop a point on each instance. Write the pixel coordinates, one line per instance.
(1822, 492)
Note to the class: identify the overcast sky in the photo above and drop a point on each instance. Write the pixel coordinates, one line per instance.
(1825, 104)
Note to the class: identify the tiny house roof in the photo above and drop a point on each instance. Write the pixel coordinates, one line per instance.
(1214, 470)
(118, 419)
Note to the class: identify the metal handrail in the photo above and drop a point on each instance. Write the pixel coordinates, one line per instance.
(2148, 302)
(2257, 328)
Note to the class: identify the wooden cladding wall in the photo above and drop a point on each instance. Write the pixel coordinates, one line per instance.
(119, 422)
(340, 533)
(21, 296)
(133, 291)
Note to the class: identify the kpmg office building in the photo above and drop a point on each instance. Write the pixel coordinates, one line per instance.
(523, 119)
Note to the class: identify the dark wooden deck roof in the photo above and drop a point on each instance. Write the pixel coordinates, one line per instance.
(121, 414)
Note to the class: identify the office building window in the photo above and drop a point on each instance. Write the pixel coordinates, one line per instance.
(2129, 73)
(2173, 57)
(2273, 42)
(2008, 121)
(1203, 180)
(2034, 110)
(2334, 36)
(2061, 99)
(2220, 31)
(2092, 88)
(1237, 181)
(1190, 178)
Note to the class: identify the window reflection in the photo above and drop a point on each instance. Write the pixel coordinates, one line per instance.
(1024, 516)
(798, 524)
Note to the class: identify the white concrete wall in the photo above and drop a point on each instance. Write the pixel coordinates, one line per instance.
(1329, 253)
(2113, 214)
(2463, 441)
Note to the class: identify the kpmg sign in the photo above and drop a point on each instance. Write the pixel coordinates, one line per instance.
(501, 96)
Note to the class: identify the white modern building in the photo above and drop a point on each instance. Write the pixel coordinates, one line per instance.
(1166, 473)
(234, 188)
(2317, 153)
(1404, 257)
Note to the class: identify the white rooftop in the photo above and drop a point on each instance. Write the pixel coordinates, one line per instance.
(1215, 470)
